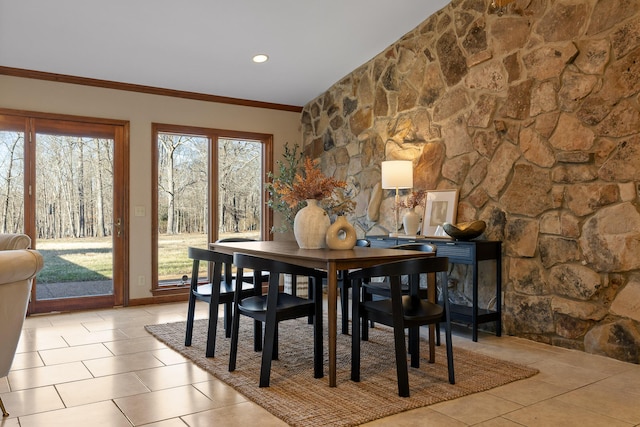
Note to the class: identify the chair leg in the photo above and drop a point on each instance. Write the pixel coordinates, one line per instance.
(270, 326)
(447, 333)
(4, 411)
(397, 310)
(355, 333)
(228, 312)
(190, 315)
(366, 296)
(212, 329)
(235, 326)
(401, 360)
(318, 353)
(449, 344)
(432, 343)
(414, 346)
(275, 355)
(344, 301)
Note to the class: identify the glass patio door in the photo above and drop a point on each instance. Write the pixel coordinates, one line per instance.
(66, 192)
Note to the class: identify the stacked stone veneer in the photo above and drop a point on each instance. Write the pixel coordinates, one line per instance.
(534, 116)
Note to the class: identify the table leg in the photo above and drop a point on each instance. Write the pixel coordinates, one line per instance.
(332, 298)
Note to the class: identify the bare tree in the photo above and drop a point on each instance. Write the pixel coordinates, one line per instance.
(10, 156)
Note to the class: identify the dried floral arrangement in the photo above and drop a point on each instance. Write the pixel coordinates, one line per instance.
(416, 198)
(288, 190)
(310, 183)
(287, 169)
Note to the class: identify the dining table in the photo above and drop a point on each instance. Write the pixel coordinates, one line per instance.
(326, 259)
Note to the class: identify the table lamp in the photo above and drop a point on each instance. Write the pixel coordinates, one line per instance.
(396, 174)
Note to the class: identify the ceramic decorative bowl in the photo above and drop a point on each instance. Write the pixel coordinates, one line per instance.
(465, 230)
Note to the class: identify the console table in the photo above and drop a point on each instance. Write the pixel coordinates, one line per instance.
(462, 252)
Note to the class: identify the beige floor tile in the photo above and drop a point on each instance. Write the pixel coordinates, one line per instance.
(47, 375)
(99, 325)
(173, 422)
(136, 331)
(242, 414)
(605, 365)
(134, 345)
(4, 385)
(163, 404)
(94, 337)
(35, 342)
(121, 364)
(554, 412)
(36, 321)
(10, 422)
(99, 389)
(103, 414)
(172, 376)
(475, 408)
(616, 405)
(31, 401)
(74, 354)
(74, 318)
(169, 356)
(564, 375)
(529, 391)
(498, 422)
(220, 393)
(30, 359)
(421, 417)
(628, 380)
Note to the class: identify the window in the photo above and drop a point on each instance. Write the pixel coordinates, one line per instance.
(208, 184)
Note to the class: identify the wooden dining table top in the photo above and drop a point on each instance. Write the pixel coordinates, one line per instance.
(289, 251)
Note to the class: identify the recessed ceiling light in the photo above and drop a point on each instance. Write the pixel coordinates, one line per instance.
(260, 58)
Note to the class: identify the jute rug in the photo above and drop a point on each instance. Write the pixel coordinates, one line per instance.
(301, 400)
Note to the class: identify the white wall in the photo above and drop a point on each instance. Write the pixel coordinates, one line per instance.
(141, 110)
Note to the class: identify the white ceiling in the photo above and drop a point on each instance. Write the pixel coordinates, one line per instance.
(205, 46)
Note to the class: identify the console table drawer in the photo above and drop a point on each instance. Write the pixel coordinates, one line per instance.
(455, 252)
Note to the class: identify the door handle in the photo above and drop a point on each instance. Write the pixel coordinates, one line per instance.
(118, 225)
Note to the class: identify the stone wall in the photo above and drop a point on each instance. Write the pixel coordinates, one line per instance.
(533, 114)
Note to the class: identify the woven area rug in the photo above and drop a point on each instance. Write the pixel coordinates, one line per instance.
(301, 400)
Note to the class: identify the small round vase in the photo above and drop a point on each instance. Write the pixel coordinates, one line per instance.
(411, 222)
(310, 226)
(341, 235)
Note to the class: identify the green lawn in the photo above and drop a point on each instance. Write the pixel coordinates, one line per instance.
(88, 259)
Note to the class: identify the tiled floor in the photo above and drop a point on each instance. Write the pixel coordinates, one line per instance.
(101, 368)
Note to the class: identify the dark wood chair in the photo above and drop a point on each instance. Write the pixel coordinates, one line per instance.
(275, 307)
(228, 268)
(381, 288)
(344, 286)
(216, 290)
(402, 311)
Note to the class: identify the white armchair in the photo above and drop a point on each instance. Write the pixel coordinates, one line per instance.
(18, 267)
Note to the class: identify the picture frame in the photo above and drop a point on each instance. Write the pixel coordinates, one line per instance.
(441, 206)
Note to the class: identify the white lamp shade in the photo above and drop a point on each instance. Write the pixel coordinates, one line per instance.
(397, 174)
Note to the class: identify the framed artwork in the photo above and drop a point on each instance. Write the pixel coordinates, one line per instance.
(441, 207)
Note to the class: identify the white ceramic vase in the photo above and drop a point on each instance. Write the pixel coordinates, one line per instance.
(341, 235)
(310, 226)
(411, 222)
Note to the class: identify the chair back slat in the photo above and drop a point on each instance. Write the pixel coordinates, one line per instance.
(401, 268)
(274, 267)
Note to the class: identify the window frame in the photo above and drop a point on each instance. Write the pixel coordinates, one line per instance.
(213, 135)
